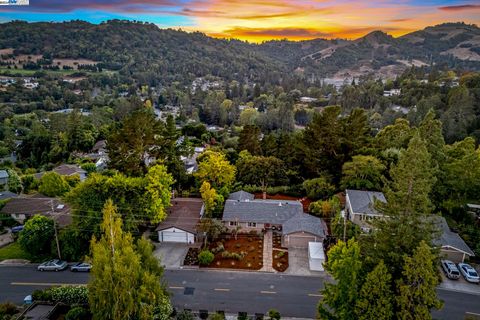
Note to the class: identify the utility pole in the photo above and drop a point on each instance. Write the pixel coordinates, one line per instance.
(344, 225)
(55, 228)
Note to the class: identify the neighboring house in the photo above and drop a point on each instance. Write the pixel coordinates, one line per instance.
(451, 244)
(3, 179)
(360, 207)
(245, 213)
(182, 220)
(190, 163)
(21, 208)
(390, 93)
(4, 195)
(66, 170)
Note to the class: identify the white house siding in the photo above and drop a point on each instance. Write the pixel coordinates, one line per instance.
(175, 235)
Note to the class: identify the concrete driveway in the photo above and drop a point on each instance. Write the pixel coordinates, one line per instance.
(171, 254)
(298, 263)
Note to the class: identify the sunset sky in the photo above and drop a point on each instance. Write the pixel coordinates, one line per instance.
(259, 20)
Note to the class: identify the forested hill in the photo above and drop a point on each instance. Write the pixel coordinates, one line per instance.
(151, 55)
(142, 50)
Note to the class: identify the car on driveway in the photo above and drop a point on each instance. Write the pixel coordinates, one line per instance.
(450, 269)
(53, 265)
(17, 229)
(469, 273)
(81, 267)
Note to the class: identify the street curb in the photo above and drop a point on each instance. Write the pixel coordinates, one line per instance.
(459, 291)
(245, 271)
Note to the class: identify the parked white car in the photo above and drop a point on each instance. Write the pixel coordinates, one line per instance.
(469, 273)
(450, 269)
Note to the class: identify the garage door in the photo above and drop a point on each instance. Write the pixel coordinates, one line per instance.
(300, 241)
(177, 236)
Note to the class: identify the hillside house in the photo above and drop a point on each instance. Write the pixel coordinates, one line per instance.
(360, 207)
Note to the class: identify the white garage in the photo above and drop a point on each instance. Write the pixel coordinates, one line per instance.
(316, 256)
(175, 235)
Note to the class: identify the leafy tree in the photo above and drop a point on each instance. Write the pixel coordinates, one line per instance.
(136, 140)
(248, 117)
(215, 168)
(74, 243)
(52, 184)
(326, 208)
(339, 299)
(339, 225)
(376, 299)
(396, 135)
(259, 170)
(209, 197)
(250, 140)
(14, 181)
(126, 280)
(158, 192)
(37, 235)
(459, 115)
(274, 314)
(417, 288)
(362, 173)
(318, 188)
(89, 167)
(212, 227)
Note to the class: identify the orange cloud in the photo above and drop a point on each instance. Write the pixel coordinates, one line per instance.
(460, 7)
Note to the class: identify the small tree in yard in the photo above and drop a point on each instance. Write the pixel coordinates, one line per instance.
(213, 229)
(52, 184)
(274, 314)
(205, 257)
(37, 235)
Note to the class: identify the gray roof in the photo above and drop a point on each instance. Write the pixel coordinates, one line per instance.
(3, 174)
(261, 211)
(363, 201)
(305, 222)
(7, 195)
(241, 195)
(449, 238)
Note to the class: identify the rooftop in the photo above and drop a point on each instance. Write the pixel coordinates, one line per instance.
(184, 213)
(363, 201)
(306, 223)
(448, 238)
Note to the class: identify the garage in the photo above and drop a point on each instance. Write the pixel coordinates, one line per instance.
(175, 235)
(316, 256)
(300, 239)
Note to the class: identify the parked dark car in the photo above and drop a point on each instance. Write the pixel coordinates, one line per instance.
(17, 229)
(81, 267)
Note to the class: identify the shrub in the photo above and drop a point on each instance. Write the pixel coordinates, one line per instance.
(185, 315)
(217, 316)
(318, 188)
(30, 183)
(280, 254)
(219, 248)
(274, 314)
(89, 167)
(70, 294)
(42, 295)
(233, 255)
(52, 184)
(7, 309)
(205, 257)
(77, 313)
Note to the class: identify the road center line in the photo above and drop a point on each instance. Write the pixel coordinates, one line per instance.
(47, 284)
(314, 295)
(472, 313)
(268, 292)
(180, 288)
(221, 289)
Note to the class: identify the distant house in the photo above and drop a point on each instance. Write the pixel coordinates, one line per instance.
(182, 220)
(452, 246)
(3, 178)
(360, 207)
(286, 216)
(21, 208)
(392, 92)
(66, 170)
(190, 163)
(307, 99)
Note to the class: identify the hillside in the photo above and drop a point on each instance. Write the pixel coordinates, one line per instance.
(148, 54)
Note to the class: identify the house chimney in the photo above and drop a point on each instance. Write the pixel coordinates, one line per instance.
(264, 195)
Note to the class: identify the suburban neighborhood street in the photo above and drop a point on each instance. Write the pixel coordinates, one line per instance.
(251, 292)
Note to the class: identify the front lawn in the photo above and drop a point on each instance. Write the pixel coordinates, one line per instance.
(14, 251)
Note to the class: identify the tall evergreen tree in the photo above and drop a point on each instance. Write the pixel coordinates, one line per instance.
(126, 280)
(249, 140)
(407, 208)
(417, 288)
(376, 297)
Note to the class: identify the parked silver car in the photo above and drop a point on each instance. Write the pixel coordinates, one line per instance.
(81, 266)
(469, 273)
(53, 265)
(450, 269)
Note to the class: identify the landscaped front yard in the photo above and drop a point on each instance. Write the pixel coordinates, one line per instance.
(280, 254)
(244, 252)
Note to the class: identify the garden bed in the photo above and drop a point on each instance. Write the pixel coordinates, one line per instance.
(277, 240)
(191, 259)
(246, 252)
(280, 260)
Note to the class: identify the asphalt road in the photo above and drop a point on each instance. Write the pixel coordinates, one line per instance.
(227, 291)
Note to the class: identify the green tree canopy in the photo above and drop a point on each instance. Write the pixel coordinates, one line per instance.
(126, 280)
(52, 184)
(260, 171)
(216, 169)
(362, 173)
(37, 235)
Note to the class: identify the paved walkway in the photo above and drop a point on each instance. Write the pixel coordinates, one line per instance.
(268, 252)
(5, 239)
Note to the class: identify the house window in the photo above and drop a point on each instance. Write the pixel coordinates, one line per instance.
(233, 223)
(252, 224)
